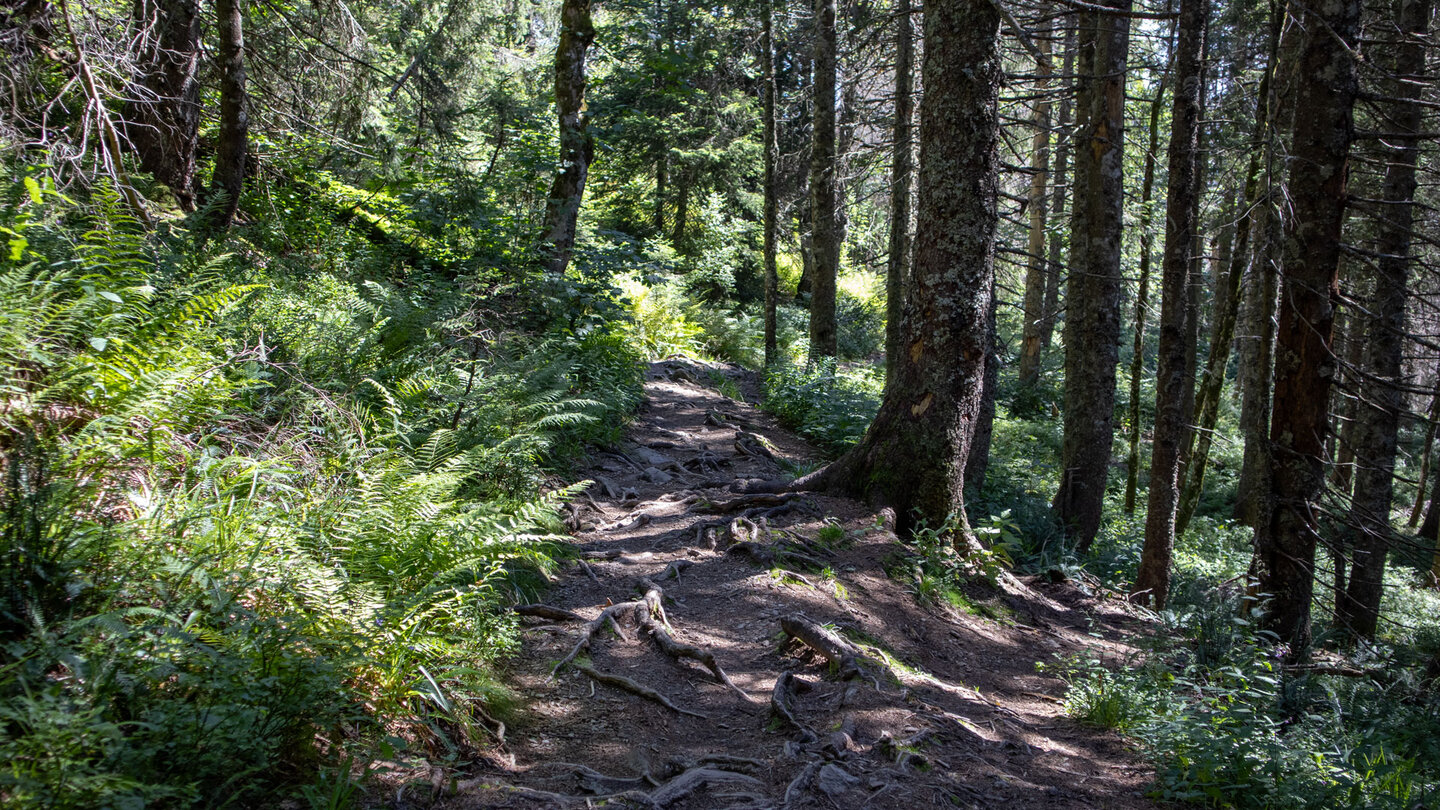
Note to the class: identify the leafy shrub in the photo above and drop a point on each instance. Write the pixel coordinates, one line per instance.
(245, 525)
(859, 317)
(1227, 727)
(830, 406)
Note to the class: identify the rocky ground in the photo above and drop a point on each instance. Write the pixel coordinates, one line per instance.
(715, 650)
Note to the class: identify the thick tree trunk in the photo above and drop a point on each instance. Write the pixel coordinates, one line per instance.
(1059, 181)
(1207, 408)
(1152, 585)
(824, 225)
(562, 209)
(1257, 363)
(897, 271)
(1092, 305)
(1035, 270)
(1142, 298)
(162, 118)
(912, 457)
(1378, 420)
(1286, 536)
(772, 206)
(232, 145)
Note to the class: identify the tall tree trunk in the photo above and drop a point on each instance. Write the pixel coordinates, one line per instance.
(1207, 408)
(1092, 306)
(232, 145)
(1379, 413)
(562, 209)
(1257, 348)
(1142, 297)
(912, 457)
(824, 228)
(772, 206)
(1287, 534)
(1035, 270)
(162, 118)
(1350, 338)
(1060, 178)
(897, 271)
(1152, 584)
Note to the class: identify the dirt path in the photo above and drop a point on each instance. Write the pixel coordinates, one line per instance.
(960, 717)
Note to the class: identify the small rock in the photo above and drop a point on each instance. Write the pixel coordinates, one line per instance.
(657, 476)
(835, 780)
(841, 743)
(652, 458)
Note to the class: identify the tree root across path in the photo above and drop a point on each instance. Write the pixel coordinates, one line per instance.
(782, 704)
(847, 659)
(649, 615)
(716, 772)
(634, 688)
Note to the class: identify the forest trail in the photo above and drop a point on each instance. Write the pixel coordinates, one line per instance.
(960, 717)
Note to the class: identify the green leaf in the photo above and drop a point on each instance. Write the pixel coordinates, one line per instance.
(34, 189)
(110, 296)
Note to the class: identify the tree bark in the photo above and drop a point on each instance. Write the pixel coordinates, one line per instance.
(1207, 407)
(1059, 179)
(897, 271)
(1152, 584)
(1378, 417)
(1036, 270)
(912, 457)
(772, 206)
(1142, 297)
(1287, 535)
(562, 208)
(232, 145)
(1092, 306)
(824, 225)
(162, 118)
(1257, 349)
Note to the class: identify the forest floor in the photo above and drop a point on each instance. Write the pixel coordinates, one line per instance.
(924, 706)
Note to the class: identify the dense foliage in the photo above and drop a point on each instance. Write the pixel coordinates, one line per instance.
(272, 481)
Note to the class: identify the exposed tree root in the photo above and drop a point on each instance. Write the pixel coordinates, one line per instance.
(782, 703)
(674, 569)
(546, 612)
(608, 554)
(694, 779)
(638, 689)
(744, 502)
(772, 555)
(592, 628)
(752, 444)
(844, 656)
(592, 781)
(676, 650)
(801, 782)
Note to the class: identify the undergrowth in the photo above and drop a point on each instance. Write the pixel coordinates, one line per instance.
(259, 530)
